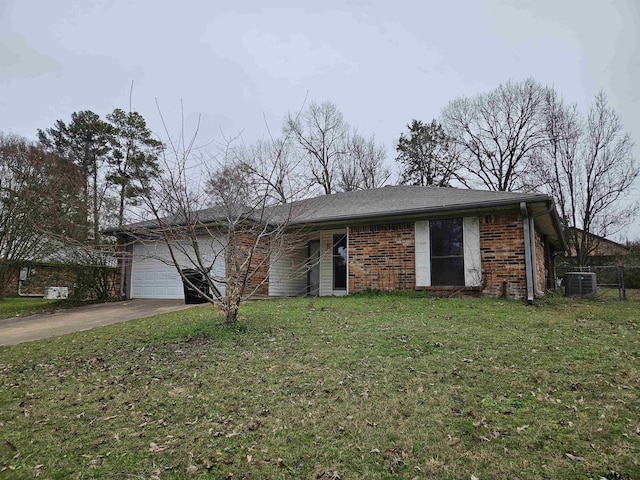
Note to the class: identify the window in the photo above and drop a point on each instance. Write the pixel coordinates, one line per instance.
(447, 253)
(339, 262)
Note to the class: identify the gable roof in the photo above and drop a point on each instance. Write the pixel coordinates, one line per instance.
(389, 202)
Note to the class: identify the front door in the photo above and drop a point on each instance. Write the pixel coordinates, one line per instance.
(340, 260)
(313, 269)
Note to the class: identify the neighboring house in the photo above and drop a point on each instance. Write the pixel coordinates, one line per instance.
(34, 279)
(56, 271)
(600, 247)
(393, 238)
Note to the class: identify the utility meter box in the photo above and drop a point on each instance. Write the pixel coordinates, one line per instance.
(56, 292)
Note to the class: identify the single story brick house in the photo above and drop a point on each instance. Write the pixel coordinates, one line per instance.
(446, 240)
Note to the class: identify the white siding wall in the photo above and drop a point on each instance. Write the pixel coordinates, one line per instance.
(288, 275)
(326, 263)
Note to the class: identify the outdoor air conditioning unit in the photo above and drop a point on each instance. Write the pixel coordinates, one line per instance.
(580, 284)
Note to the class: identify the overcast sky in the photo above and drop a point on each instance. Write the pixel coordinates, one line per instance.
(241, 66)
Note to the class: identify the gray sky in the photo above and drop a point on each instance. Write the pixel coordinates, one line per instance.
(241, 66)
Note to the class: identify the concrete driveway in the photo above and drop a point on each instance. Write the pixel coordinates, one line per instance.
(43, 325)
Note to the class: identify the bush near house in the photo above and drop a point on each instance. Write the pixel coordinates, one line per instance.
(371, 386)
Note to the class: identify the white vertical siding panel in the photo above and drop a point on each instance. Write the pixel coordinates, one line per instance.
(287, 274)
(472, 262)
(326, 263)
(423, 254)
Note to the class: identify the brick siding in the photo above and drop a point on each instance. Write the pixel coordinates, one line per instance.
(258, 283)
(382, 257)
(42, 276)
(503, 257)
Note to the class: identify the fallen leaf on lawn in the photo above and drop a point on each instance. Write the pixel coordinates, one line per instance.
(452, 440)
(191, 469)
(573, 458)
(522, 428)
(155, 448)
(249, 458)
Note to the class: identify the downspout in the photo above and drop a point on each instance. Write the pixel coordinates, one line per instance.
(532, 231)
(527, 251)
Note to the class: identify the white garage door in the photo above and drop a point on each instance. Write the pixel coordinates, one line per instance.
(153, 275)
(150, 276)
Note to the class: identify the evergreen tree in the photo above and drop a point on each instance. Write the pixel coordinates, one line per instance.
(426, 155)
(84, 142)
(134, 157)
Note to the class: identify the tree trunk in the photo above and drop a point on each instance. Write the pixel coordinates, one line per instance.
(96, 212)
(121, 207)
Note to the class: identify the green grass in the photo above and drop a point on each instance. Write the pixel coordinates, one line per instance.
(399, 386)
(612, 293)
(12, 306)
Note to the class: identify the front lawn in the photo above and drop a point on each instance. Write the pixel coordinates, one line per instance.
(399, 386)
(12, 306)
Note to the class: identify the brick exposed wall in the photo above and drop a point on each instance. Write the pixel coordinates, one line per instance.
(259, 268)
(382, 257)
(42, 276)
(502, 249)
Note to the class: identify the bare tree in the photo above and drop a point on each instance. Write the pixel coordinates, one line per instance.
(38, 200)
(364, 165)
(321, 133)
(427, 155)
(499, 134)
(230, 244)
(589, 168)
(274, 169)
